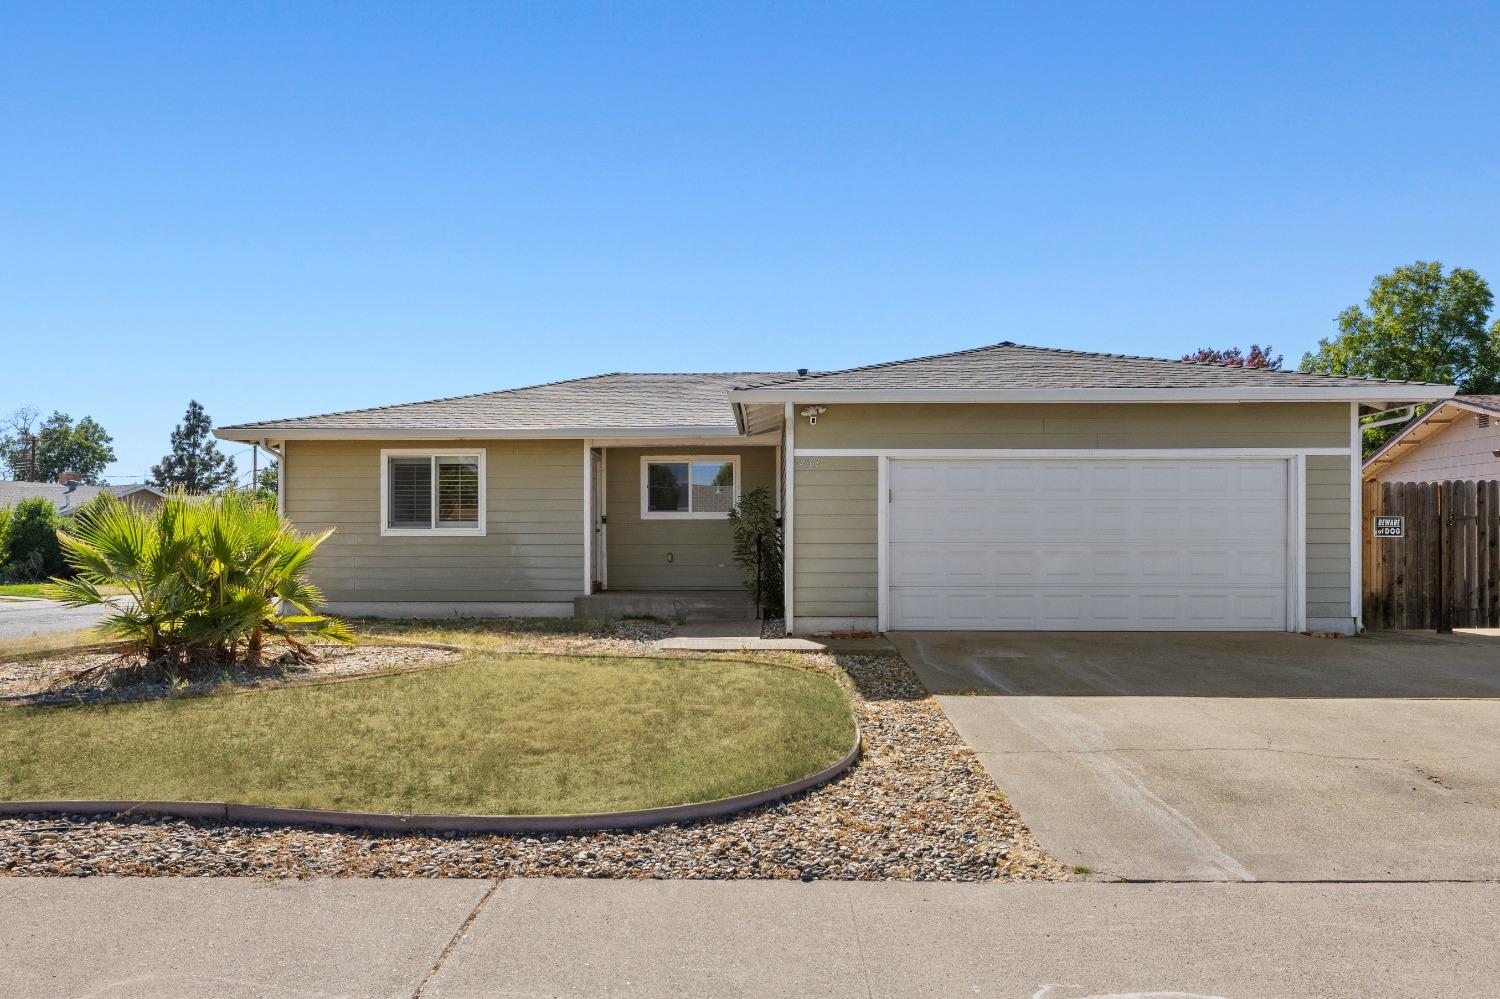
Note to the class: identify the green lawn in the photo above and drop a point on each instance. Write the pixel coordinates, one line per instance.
(492, 735)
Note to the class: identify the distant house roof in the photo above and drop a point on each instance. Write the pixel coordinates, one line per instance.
(704, 404)
(1015, 367)
(1426, 425)
(60, 496)
(602, 405)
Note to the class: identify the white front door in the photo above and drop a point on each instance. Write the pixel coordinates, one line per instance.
(1089, 544)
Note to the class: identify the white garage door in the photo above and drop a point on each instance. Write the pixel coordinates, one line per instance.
(1089, 544)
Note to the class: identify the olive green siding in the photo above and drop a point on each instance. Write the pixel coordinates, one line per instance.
(1328, 537)
(532, 551)
(835, 551)
(834, 536)
(700, 550)
(1118, 425)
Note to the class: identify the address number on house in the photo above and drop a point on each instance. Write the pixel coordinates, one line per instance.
(1390, 527)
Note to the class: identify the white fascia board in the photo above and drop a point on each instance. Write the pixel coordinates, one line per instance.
(251, 434)
(1373, 394)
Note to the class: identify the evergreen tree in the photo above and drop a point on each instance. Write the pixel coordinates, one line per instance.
(195, 463)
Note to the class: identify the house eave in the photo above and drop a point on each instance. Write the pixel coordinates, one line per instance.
(1374, 394)
(251, 434)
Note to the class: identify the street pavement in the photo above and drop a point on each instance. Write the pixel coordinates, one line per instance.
(28, 618)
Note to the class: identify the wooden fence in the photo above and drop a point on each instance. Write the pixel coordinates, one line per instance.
(1444, 573)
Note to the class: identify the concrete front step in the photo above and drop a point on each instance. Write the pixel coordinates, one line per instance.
(671, 605)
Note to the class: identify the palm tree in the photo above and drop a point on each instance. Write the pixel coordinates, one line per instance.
(209, 582)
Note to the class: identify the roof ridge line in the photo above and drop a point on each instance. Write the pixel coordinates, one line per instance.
(884, 364)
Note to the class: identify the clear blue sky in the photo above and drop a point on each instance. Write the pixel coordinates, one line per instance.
(290, 208)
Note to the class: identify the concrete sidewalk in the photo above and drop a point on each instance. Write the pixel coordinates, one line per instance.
(237, 938)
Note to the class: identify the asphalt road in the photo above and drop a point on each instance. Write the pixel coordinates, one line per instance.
(236, 939)
(26, 618)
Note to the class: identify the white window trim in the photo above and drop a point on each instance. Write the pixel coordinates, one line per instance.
(678, 459)
(387, 531)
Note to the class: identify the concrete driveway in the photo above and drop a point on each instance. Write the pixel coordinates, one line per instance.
(27, 618)
(1236, 757)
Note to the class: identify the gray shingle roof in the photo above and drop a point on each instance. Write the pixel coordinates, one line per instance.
(614, 402)
(55, 493)
(1485, 402)
(1016, 366)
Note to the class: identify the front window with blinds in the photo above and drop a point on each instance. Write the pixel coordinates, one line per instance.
(693, 488)
(431, 493)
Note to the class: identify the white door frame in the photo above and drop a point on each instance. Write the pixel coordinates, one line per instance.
(1296, 501)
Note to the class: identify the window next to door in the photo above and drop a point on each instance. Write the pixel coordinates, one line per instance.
(693, 487)
(432, 493)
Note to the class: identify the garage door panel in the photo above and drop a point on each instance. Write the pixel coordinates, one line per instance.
(1101, 544)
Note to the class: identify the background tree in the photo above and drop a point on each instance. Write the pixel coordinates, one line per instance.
(35, 453)
(65, 447)
(1417, 324)
(266, 482)
(1258, 357)
(195, 463)
(1421, 325)
(19, 445)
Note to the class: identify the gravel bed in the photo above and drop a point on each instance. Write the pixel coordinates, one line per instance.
(632, 632)
(45, 680)
(773, 627)
(918, 806)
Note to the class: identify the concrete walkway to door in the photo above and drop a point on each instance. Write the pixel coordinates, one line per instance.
(1236, 756)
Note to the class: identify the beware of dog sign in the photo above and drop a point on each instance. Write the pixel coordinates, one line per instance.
(1390, 527)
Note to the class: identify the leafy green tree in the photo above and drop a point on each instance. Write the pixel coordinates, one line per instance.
(1418, 324)
(65, 447)
(757, 548)
(266, 482)
(195, 463)
(30, 551)
(39, 453)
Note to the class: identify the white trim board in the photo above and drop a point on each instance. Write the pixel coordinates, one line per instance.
(979, 453)
(788, 538)
(1375, 393)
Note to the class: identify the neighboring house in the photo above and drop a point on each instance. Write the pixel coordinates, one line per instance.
(68, 493)
(1457, 439)
(1006, 487)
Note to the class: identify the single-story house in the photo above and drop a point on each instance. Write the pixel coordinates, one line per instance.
(69, 493)
(1458, 439)
(1005, 487)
